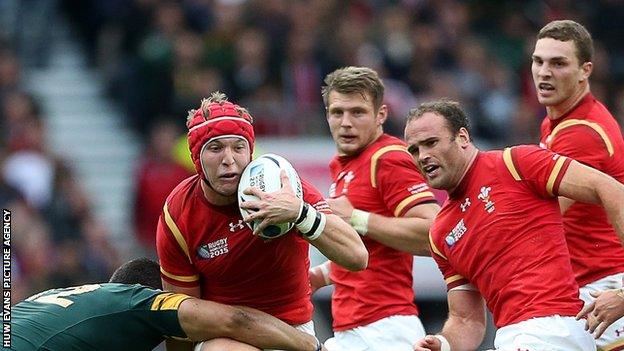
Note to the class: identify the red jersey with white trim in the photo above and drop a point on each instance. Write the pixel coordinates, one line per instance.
(383, 179)
(501, 231)
(590, 135)
(202, 244)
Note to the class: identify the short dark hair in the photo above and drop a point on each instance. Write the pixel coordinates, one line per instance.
(142, 271)
(349, 80)
(566, 30)
(451, 111)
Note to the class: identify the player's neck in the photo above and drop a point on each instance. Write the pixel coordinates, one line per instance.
(471, 156)
(214, 197)
(556, 112)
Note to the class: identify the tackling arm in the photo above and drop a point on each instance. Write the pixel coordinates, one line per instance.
(465, 327)
(203, 320)
(176, 345)
(586, 184)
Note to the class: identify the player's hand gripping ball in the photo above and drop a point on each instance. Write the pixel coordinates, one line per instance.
(264, 173)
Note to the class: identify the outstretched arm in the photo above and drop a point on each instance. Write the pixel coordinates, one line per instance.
(203, 320)
(409, 233)
(586, 184)
(465, 327)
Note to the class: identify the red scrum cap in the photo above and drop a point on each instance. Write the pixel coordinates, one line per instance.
(217, 118)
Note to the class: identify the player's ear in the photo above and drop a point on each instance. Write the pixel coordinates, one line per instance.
(586, 71)
(463, 137)
(382, 115)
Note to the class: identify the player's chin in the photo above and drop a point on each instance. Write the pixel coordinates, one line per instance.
(227, 189)
(349, 148)
(435, 182)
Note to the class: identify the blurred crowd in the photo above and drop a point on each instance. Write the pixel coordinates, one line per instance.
(160, 57)
(56, 239)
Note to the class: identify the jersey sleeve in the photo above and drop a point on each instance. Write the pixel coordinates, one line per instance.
(312, 196)
(540, 169)
(176, 266)
(586, 143)
(399, 182)
(451, 277)
(162, 311)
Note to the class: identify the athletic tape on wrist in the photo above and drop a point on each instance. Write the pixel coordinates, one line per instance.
(325, 272)
(359, 221)
(311, 222)
(303, 211)
(445, 346)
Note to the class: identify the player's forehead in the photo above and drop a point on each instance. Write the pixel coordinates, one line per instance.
(347, 101)
(550, 49)
(227, 141)
(428, 125)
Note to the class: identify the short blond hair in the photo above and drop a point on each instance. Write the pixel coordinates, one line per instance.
(349, 80)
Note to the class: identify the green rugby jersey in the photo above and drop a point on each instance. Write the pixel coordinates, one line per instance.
(96, 317)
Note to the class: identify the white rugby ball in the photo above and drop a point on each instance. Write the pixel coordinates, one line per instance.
(264, 173)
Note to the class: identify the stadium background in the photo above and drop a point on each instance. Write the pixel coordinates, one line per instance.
(94, 94)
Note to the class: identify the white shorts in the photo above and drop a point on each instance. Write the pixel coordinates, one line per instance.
(613, 337)
(394, 333)
(305, 327)
(554, 333)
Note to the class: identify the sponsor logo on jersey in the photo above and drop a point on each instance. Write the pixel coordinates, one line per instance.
(418, 188)
(484, 196)
(234, 226)
(348, 177)
(453, 237)
(332, 190)
(213, 249)
(464, 206)
(321, 205)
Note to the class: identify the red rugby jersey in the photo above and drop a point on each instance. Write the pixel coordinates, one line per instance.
(590, 135)
(383, 179)
(501, 231)
(202, 244)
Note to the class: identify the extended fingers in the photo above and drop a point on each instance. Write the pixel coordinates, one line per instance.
(595, 293)
(601, 328)
(252, 206)
(588, 308)
(255, 191)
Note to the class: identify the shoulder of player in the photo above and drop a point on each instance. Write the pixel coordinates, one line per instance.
(585, 130)
(512, 158)
(179, 197)
(387, 149)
